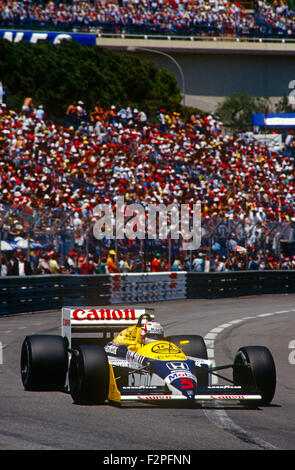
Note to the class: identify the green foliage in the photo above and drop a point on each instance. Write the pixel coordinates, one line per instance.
(237, 109)
(283, 106)
(55, 75)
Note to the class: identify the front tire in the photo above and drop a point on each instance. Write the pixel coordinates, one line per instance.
(254, 367)
(44, 362)
(89, 375)
(195, 348)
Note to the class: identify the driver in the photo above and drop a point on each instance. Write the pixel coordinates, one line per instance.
(151, 331)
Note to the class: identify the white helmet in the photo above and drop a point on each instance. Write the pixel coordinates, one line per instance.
(151, 331)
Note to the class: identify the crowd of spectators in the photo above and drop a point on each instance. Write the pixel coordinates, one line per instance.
(176, 17)
(274, 20)
(52, 176)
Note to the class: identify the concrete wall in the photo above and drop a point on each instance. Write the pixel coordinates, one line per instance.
(212, 70)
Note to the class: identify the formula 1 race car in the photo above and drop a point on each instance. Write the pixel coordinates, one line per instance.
(117, 355)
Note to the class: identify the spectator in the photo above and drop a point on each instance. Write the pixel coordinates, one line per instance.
(20, 267)
(4, 266)
(70, 263)
(125, 263)
(53, 263)
(43, 265)
(72, 115)
(86, 264)
(97, 114)
(40, 113)
(28, 106)
(111, 266)
(177, 266)
(198, 263)
(101, 268)
(289, 142)
(156, 264)
(253, 264)
(220, 264)
(81, 112)
(137, 265)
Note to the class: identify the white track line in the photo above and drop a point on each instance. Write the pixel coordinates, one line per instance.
(219, 416)
(2, 346)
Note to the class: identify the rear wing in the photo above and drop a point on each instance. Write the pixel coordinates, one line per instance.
(86, 325)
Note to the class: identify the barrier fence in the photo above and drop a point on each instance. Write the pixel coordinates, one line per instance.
(48, 292)
(256, 27)
(40, 293)
(271, 244)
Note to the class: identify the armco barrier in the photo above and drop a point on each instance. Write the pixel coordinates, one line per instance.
(239, 283)
(47, 292)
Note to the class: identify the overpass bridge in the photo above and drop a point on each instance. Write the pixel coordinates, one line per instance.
(208, 70)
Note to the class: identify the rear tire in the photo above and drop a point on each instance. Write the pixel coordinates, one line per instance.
(89, 375)
(254, 367)
(44, 362)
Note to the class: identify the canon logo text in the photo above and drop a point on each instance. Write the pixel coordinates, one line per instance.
(104, 314)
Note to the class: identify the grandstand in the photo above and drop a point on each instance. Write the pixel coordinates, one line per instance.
(182, 18)
(52, 176)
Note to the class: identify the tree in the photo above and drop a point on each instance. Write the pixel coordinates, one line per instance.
(284, 106)
(237, 109)
(55, 75)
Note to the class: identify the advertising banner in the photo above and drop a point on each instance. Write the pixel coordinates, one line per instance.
(55, 38)
(147, 287)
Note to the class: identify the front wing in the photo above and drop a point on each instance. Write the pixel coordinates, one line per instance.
(155, 393)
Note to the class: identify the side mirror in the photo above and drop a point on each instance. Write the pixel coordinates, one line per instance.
(183, 342)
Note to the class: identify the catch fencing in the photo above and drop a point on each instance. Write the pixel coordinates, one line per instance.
(50, 292)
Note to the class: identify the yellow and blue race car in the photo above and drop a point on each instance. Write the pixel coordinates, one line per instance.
(114, 355)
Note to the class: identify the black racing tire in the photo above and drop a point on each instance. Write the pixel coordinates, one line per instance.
(254, 367)
(195, 348)
(89, 375)
(44, 362)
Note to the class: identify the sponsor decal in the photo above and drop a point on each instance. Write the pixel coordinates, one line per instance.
(154, 397)
(224, 387)
(135, 359)
(118, 363)
(111, 349)
(186, 383)
(165, 348)
(180, 375)
(104, 314)
(227, 397)
(165, 356)
(66, 322)
(177, 365)
(143, 387)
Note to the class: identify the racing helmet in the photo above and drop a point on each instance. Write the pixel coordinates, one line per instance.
(151, 331)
